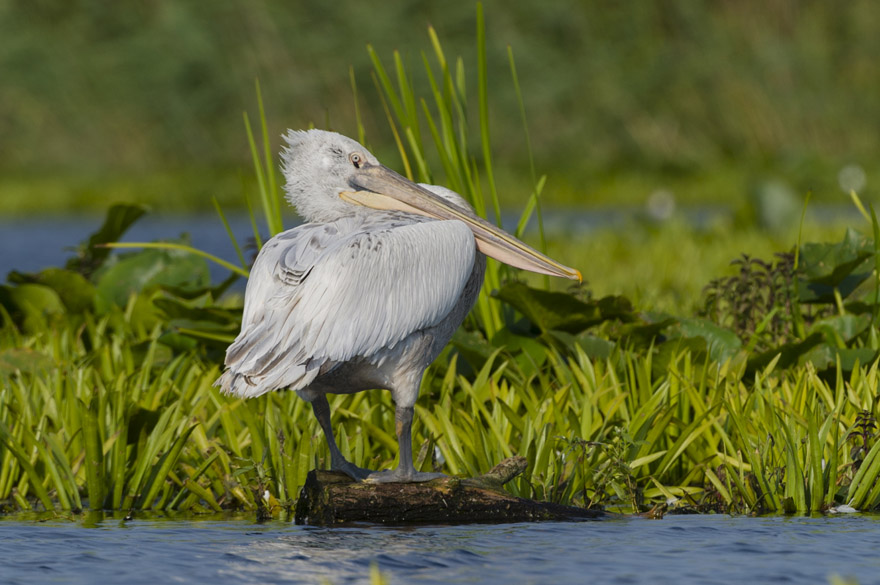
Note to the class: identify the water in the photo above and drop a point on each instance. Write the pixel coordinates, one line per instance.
(681, 550)
(33, 243)
(678, 549)
(30, 244)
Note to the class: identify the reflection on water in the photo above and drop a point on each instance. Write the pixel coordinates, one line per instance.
(345, 555)
(677, 549)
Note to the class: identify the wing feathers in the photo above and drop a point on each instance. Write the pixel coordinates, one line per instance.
(324, 293)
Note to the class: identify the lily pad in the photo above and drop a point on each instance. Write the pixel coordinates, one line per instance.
(790, 353)
(473, 347)
(596, 347)
(697, 347)
(649, 329)
(174, 308)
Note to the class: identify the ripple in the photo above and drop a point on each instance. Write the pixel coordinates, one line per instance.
(678, 549)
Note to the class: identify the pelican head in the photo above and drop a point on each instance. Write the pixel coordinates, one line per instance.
(329, 176)
(318, 166)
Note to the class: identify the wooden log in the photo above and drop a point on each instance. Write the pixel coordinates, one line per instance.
(330, 497)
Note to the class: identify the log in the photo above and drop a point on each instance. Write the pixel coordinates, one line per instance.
(330, 497)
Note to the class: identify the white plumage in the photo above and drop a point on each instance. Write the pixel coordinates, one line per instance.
(322, 294)
(367, 293)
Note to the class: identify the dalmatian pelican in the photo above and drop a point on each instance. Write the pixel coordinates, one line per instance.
(368, 292)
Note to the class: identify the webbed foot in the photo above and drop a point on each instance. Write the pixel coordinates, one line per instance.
(352, 470)
(400, 476)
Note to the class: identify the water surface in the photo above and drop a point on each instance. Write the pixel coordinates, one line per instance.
(29, 244)
(682, 550)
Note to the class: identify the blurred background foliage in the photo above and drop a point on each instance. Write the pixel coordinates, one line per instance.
(141, 100)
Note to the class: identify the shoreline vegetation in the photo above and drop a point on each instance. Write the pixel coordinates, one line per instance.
(759, 396)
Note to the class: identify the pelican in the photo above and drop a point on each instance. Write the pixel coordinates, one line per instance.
(367, 293)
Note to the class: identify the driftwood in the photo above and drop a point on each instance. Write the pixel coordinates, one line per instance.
(330, 497)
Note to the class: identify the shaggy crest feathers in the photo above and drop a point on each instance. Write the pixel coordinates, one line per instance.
(317, 167)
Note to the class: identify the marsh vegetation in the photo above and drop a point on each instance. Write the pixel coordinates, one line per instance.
(674, 378)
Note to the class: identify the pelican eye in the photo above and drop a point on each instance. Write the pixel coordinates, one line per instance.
(357, 159)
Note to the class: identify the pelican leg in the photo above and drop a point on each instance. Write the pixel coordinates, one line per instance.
(321, 408)
(405, 472)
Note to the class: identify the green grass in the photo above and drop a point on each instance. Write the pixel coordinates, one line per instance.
(665, 266)
(93, 417)
(187, 190)
(107, 402)
(190, 190)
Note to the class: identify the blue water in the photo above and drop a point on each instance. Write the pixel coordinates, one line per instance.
(681, 550)
(30, 244)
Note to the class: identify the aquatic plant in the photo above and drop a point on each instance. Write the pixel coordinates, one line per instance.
(107, 398)
(98, 413)
(106, 368)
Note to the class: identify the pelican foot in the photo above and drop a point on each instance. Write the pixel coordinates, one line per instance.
(352, 470)
(399, 476)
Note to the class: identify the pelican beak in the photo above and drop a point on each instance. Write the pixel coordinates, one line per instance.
(379, 187)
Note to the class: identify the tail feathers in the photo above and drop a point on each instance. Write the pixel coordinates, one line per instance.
(239, 385)
(246, 386)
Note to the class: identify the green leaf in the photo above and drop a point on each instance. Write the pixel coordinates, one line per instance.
(561, 311)
(842, 266)
(473, 347)
(94, 454)
(788, 353)
(670, 350)
(119, 218)
(827, 357)
(15, 359)
(841, 329)
(164, 466)
(35, 478)
(864, 478)
(75, 291)
(646, 330)
(31, 304)
(527, 351)
(175, 308)
(722, 344)
(595, 347)
(152, 267)
(186, 248)
(817, 452)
